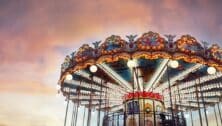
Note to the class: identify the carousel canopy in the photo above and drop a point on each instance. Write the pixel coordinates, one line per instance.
(104, 73)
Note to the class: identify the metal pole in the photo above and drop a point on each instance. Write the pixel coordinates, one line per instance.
(215, 115)
(154, 114)
(113, 119)
(219, 103)
(77, 110)
(106, 108)
(191, 115)
(198, 103)
(89, 109)
(136, 73)
(218, 107)
(133, 95)
(171, 103)
(84, 116)
(107, 105)
(89, 115)
(106, 102)
(124, 116)
(144, 116)
(77, 107)
(178, 91)
(118, 120)
(205, 113)
(67, 107)
(73, 114)
(98, 120)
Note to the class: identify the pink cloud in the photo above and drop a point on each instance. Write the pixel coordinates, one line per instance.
(35, 37)
(27, 87)
(32, 31)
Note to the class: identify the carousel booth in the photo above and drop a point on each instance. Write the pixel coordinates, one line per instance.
(143, 108)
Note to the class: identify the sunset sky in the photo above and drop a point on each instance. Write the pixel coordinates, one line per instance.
(36, 35)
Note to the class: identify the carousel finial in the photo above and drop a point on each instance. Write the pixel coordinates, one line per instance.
(131, 37)
(96, 44)
(73, 54)
(170, 37)
(205, 44)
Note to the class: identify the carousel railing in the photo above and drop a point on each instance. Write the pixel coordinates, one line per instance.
(143, 119)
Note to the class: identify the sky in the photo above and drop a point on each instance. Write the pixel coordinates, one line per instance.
(36, 35)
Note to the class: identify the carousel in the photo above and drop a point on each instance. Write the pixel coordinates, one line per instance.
(150, 80)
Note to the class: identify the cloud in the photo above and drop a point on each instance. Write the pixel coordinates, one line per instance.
(38, 27)
(30, 44)
(35, 37)
(27, 87)
(27, 110)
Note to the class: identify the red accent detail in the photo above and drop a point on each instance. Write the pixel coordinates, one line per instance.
(131, 45)
(143, 94)
(96, 51)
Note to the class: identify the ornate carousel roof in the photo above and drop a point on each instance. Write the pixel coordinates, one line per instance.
(105, 68)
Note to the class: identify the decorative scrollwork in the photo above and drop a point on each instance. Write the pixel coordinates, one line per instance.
(131, 46)
(73, 54)
(149, 46)
(189, 44)
(216, 52)
(97, 50)
(84, 52)
(170, 46)
(96, 44)
(66, 63)
(112, 45)
(131, 38)
(150, 41)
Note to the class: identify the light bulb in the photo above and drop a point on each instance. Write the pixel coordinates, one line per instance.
(131, 63)
(211, 70)
(68, 77)
(93, 68)
(174, 64)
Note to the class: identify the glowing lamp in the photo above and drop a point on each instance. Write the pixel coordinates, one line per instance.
(211, 70)
(93, 68)
(68, 77)
(131, 63)
(174, 64)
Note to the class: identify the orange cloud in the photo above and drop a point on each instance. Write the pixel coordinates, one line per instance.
(26, 87)
(35, 37)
